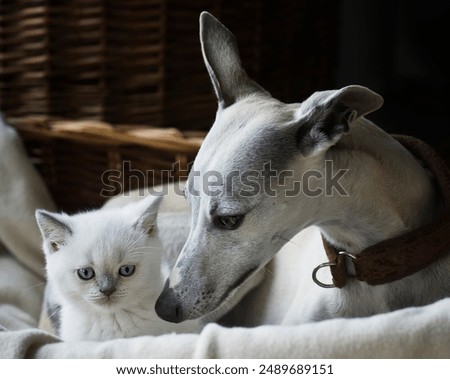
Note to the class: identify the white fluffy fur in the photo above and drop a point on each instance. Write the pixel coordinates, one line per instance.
(105, 240)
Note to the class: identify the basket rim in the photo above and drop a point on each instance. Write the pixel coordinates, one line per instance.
(94, 132)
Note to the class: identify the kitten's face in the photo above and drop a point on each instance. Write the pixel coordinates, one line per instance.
(109, 270)
(107, 259)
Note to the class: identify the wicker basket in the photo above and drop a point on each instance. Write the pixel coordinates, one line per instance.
(138, 62)
(86, 162)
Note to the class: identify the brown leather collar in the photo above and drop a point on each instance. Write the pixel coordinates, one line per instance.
(398, 257)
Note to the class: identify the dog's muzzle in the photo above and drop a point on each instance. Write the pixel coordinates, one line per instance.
(168, 305)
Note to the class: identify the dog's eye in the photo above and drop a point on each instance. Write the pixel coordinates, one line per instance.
(86, 273)
(228, 222)
(127, 270)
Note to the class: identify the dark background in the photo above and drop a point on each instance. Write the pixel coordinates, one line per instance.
(397, 48)
(400, 49)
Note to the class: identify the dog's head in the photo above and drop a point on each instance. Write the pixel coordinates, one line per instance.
(241, 211)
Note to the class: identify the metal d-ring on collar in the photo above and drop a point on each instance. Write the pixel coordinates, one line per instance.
(328, 264)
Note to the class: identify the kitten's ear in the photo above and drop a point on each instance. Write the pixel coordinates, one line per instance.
(148, 212)
(54, 229)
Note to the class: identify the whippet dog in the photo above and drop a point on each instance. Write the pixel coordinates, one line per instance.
(327, 166)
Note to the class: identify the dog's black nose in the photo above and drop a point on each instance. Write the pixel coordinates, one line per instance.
(168, 307)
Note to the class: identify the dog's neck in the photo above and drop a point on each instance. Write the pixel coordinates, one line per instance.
(389, 192)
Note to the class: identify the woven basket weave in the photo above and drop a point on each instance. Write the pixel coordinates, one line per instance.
(138, 62)
(86, 162)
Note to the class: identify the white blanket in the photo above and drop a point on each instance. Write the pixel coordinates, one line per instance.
(410, 333)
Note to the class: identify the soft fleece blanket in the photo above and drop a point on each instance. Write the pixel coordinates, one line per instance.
(410, 333)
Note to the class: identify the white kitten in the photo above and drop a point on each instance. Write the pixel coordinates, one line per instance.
(104, 270)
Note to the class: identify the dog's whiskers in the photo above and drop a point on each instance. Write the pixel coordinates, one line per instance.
(268, 271)
(287, 240)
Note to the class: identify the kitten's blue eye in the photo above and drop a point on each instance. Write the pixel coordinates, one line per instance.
(86, 273)
(127, 270)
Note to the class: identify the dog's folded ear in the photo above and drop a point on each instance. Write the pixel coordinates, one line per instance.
(325, 116)
(358, 99)
(221, 57)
